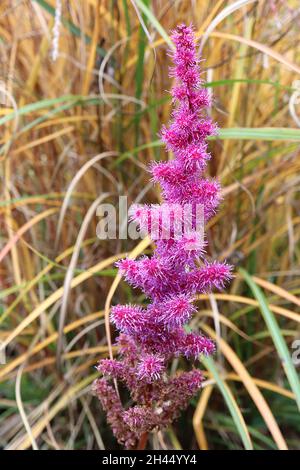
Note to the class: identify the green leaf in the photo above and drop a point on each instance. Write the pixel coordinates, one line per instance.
(276, 334)
(230, 402)
(139, 72)
(247, 81)
(125, 155)
(155, 23)
(259, 133)
(234, 133)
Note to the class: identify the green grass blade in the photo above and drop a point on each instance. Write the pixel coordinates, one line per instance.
(214, 84)
(125, 155)
(36, 106)
(247, 81)
(276, 334)
(259, 133)
(230, 402)
(155, 23)
(239, 133)
(139, 72)
(73, 100)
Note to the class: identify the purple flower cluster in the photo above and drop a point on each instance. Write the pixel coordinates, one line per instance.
(152, 335)
(157, 398)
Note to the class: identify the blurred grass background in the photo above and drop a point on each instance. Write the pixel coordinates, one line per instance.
(80, 130)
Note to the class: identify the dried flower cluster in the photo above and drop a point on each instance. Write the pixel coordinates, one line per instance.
(152, 335)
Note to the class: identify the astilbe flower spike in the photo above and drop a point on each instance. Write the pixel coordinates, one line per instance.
(151, 336)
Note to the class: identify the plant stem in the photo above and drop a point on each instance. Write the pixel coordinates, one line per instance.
(142, 442)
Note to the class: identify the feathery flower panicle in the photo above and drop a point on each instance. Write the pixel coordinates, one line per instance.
(151, 336)
(127, 318)
(150, 368)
